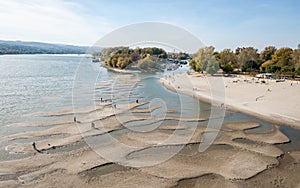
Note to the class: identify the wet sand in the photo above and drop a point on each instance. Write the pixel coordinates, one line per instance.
(167, 156)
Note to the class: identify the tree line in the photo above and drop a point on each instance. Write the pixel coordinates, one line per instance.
(20, 47)
(121, 57)
(283, 61)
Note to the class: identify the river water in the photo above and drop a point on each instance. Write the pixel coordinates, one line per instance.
(31, 84)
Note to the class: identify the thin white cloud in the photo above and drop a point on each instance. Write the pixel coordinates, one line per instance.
(50, 21)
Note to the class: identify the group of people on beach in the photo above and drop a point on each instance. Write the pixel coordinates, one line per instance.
(106, 100)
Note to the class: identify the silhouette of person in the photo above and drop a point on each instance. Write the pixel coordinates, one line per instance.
(34, 147)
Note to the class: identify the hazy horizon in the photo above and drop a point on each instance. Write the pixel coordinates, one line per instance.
(219, 23)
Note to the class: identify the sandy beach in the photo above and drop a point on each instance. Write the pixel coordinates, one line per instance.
(277, 102)
(127, 146)
(149, 94)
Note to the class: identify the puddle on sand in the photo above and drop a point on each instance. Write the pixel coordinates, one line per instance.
(294, 136)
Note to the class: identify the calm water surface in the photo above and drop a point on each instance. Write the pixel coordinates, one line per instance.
(44, 83)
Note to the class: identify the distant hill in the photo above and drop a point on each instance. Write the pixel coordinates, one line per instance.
(21, 47)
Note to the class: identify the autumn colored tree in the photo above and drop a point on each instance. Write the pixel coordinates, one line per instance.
(283, 58)
(205, 60)
(266, 66)
(267, 53)
(121, 57)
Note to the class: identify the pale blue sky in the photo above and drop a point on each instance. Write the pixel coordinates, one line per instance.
(221, 23)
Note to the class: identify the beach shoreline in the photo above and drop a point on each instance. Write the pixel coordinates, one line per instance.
(252, 103)
(78, 153)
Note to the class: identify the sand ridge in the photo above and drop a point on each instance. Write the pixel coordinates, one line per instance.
(235, 155)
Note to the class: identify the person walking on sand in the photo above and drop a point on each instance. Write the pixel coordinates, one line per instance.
(93, 125)
(75, 120)
(34, 147)
(137, 101)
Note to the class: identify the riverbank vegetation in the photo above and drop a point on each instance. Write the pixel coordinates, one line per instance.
(122, 57)
(281, 62)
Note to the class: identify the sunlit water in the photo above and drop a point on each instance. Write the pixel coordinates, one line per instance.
(31, 83)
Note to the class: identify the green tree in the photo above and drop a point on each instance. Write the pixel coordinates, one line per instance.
(228, 68)
(296, 58)
(194, 66)
(267, 53)
(282, 58)
(248, 58)
(121, 57)
(202, 58)
(298, 71)
(248, 66)
(225, 57)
